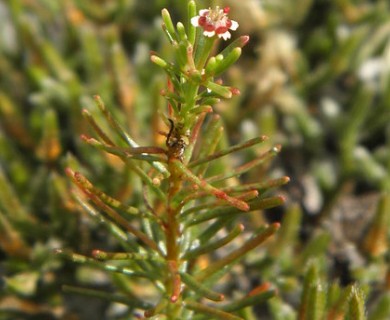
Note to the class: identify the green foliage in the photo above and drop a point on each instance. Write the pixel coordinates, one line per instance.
(162, 215)
(183, 200)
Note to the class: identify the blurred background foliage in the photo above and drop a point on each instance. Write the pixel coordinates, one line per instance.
(315, 78)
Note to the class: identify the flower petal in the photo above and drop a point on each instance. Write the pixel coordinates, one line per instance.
(209, 33)
(195, 21)
(234, 25)
(225, 35)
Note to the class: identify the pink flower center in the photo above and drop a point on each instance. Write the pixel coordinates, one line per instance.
(215, 20)
(209, 27)
(221, 30)
(202, 21)
(228, 23)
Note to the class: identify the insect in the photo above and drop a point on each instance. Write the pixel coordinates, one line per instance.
(176, 141)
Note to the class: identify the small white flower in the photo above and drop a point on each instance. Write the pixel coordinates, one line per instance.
(215, 22)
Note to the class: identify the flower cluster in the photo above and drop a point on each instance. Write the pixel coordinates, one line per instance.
(215, 22)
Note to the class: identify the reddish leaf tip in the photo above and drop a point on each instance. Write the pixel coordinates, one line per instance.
(260, 289)
(98, 254)
(244, 40)
(276, 225)
(243, 206)
(69, 172)
(58, 251)
(208, 109)
(235, 91)
(95, 253)
(277, 148)
(264, 137)
(84, 137)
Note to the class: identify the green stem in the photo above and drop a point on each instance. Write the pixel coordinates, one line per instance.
(172, 231)
(172, 228)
